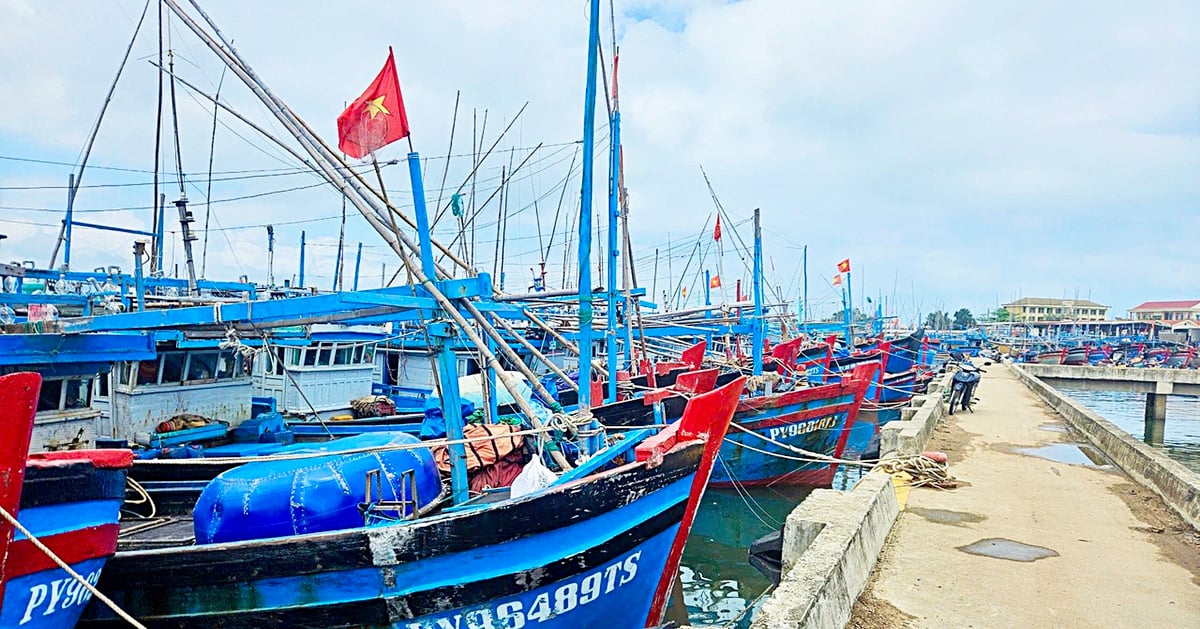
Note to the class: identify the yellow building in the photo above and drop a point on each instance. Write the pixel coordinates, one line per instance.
(1045, 309)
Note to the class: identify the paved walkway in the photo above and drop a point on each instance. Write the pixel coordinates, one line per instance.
(1114, 567)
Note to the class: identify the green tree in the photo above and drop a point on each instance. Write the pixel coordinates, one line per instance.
(939, 320)
(1001, 315)
(963, 319)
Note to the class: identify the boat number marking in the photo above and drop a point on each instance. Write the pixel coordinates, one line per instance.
(567, 597)
(59, 594)
(791, 430)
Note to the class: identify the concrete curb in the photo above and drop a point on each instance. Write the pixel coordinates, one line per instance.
(909, 436)
(832, 541)
(1178, 486)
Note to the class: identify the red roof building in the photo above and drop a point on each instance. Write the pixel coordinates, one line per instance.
(1167, 311)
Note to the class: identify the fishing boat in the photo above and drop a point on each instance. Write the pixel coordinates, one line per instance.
(792, 438)
(68, 500)
(600, 546)
(1051, 357)
(1077, 355)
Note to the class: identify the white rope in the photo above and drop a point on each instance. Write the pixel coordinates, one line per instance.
(75, 575)
(814, 457)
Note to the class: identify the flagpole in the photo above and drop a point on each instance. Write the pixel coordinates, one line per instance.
(846, 310)
(805, 320)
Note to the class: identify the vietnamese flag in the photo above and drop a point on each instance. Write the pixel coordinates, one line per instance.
(715, 282)
(837, 279)
(844, 266)
(376, 118)
(717, 231)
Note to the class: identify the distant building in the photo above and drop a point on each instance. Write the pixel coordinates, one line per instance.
(1045, 309)
(1167, 311)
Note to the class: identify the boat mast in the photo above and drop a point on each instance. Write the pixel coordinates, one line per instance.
(614, 249)
(585, 214)
(756, 352)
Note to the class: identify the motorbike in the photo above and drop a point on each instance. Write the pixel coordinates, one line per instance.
(963, 385)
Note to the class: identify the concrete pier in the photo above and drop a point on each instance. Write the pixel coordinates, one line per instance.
(1065, 544)
(1156, 418)
(1156, 383)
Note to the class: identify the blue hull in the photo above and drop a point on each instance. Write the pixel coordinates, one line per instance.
(585, 554)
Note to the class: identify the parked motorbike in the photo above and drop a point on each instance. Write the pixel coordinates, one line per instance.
(963, 385)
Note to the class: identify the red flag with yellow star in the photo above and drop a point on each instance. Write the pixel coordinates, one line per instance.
(844, 266)
(376, 118)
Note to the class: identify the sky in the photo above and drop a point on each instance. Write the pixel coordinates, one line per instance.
(961, 154)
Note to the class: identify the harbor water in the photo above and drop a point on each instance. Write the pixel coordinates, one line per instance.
(719, 584)
(1181, 440)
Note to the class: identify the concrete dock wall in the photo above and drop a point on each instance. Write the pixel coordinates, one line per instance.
(832, 541)
(1178, 486)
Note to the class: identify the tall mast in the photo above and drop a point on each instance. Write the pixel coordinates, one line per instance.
(756, 352)
(614, 249)
(585, 214)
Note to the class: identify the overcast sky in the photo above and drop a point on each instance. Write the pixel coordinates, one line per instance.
(960, 153)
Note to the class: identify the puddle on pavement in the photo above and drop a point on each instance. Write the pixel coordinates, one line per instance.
(1053, 427)
(1068, 453)
(946, 516)
(1000, 548)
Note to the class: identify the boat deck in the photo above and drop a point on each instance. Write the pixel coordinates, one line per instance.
(159, 532)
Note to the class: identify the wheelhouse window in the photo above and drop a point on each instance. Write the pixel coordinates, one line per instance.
(147, 371)
(172, 367)
(201, 366)
(51, 396)
(68, 394)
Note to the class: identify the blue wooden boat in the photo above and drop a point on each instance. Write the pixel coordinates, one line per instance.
(591, 550)
(70, 501)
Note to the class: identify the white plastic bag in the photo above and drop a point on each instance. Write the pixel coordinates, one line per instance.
(535, 477)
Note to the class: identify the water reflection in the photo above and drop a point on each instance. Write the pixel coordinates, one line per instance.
(718, 581)
(1127, 410)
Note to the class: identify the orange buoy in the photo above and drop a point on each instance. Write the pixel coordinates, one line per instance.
(936, 457)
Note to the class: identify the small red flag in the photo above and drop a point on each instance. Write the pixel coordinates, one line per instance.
(837, 279)
(376, 118)
(717, 231)
(844, 266)
(714, 281)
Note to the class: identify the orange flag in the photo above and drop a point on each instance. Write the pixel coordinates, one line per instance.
(837, 279)
(376, 118)
(844, 266)
(714, 281)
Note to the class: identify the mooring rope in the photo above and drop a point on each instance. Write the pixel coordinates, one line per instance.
(74, 575)
(923, 471)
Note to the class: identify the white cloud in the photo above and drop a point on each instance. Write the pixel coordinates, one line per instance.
(973, 149)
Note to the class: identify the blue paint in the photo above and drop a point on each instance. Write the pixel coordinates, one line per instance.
(300, 283)
(614, 252)
(67, 221)
(49, 599)
(63, 518)
(757, 351)
(623, 605)
(357, 265)
(438, 333)
(585, 213)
